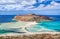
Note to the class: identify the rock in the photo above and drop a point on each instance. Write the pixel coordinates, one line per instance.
(31, 17)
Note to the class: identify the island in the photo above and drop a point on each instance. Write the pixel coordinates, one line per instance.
(31, 18)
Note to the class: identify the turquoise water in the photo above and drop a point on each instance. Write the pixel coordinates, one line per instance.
(4, 31)
(46, 26)
(51, 25)
(12, 27)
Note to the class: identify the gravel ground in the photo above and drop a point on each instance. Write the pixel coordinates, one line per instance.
(36, 36)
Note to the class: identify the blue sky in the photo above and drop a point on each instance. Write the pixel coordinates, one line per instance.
(43, 7)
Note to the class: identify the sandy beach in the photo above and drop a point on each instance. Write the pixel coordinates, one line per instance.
(26, 25)
(27, 34)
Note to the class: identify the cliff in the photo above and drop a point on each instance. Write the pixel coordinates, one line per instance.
(31, 17)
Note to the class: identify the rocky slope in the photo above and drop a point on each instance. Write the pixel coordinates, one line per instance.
(31, 17)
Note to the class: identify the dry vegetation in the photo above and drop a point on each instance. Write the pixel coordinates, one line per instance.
(37, 36)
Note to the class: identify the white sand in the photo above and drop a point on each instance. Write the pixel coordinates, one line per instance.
(22, 25)
(16, 24)
(16, 34)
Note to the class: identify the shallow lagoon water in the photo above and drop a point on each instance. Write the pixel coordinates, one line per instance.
(47, 26)
(52, 25)
(11, 27)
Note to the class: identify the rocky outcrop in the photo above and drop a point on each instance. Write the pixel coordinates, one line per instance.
(31, 17)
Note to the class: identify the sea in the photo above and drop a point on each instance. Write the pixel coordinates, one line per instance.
(44, 26)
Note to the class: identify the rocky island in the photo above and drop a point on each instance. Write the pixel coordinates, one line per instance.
(31, 18)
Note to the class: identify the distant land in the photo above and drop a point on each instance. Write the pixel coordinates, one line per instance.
(31, 18)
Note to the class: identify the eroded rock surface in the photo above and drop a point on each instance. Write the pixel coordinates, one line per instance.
(31, 17)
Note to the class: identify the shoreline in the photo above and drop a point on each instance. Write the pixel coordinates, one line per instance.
(27, 34)
(32, 36)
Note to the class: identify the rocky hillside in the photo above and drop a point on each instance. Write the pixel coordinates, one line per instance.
(31, 17)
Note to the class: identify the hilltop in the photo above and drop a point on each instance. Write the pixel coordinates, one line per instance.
(31, 18)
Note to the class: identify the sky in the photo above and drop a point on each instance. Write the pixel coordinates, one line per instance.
(43, 7)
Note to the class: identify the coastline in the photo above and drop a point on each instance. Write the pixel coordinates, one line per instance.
(32, 36)
(17, 24)
(28, 33)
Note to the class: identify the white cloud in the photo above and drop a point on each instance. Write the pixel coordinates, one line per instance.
(7, 1)
(16, 6)
(11, 7)
(26, 5)
(53, 5)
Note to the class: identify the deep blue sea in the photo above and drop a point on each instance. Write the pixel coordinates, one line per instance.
(53, 25)
(8, 18)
